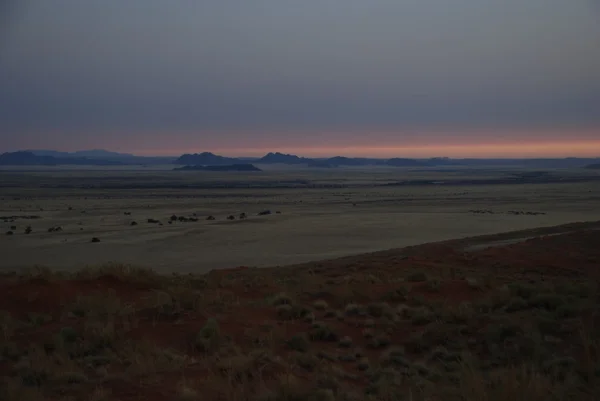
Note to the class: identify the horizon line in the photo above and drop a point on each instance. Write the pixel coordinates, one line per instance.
(292, 153)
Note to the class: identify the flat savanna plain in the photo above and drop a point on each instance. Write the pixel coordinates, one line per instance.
(323, 214)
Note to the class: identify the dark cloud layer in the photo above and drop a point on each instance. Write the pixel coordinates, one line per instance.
(191, 68)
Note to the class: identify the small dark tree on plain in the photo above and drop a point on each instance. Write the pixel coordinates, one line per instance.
(133, 223)
(243, 216)
(13, 227)
(173, 218)
(95, 239)
(230, 217)
(28, 230)
(210, 218)
(9, 233)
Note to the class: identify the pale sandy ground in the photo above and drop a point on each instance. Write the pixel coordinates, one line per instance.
(314, 224)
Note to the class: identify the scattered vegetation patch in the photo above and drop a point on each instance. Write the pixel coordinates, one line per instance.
(109, 332)
(417, 277)
(209, 337)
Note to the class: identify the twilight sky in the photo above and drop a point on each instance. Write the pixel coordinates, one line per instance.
(312, 77)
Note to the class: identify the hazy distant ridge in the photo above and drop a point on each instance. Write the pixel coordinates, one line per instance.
(31, 159)
(104, 157)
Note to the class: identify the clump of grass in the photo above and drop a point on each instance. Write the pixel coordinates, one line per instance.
(379, 341)
(395, 357)
(290, 312)
(442, 354)
(547, 301)
(70, 377)
(368, 333)
(417, 277)
(345, 342)
(299, 342)
(354, 309)
(320, 305)
(9, 350)
(38, 319)
(379, 309)
(322, 332)
(522, 290)
(501, 331)
(281, 299)
(400, 294)
(186, 393)
(369, 323)
(209, 336)
(420, 316)
(307, 361)
(434, 285)
(474, 283)
(363, 364)
(330, 314)
(68, 335)
(8, 325)
(515, 305)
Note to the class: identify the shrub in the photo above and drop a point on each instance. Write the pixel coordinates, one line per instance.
(307, 361)
(209, 335)
(320, 305)
(290, 312)
(299, 342)
(68, 334)
(395, 357)
(345, 342)
(417, 277)
(322, 332)
(397, 295)
(281, 299)
(352, 309)
(379, 309)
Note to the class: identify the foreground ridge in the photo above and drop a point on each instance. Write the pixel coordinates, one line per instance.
(503, 317)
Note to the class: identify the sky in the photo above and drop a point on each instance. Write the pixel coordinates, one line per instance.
(460, 78)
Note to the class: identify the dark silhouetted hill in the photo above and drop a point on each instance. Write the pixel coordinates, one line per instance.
(205, 159)
(595, 166)
(231, 167)
(88, 154)
(281, 158)
(353, 161)
(401, 162)
(23, 158)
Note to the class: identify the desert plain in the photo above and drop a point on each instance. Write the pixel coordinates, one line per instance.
(315, 213)
(368, 285)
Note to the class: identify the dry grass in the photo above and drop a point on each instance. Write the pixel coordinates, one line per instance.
(393, 334)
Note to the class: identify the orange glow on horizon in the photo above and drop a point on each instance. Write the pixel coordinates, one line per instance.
(481, 150)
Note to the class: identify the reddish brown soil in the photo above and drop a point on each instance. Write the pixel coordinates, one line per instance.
(237, 299)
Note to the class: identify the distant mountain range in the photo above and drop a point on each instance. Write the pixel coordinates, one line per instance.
(91, 154)
(99, 157)
(30, 159)
(96, 157)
